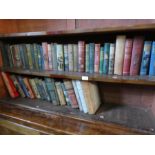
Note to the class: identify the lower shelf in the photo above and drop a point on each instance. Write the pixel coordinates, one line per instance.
(135, 119)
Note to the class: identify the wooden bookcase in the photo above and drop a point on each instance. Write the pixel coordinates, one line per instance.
(128, 101)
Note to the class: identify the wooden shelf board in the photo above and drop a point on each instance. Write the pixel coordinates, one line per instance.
(81, 31)
(118, 115)
(137, 80)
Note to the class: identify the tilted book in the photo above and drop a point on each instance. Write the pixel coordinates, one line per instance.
(152, 60)
(119, 54)
(136, 55)
(145, 58)
(127, 56)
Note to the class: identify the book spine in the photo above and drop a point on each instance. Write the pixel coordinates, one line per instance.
(152, 60)
(28, 87)
(136, 55)
(46, 91)
(52, 91)
(75, 57)
(39, 88)
(87, 59)
(106, 58)
(81, 94)
(70, 91)
(45, 54)
(42, 57)
(101, 60)
(77, 95)
(34, 88)
(66, 58)
(81, 56)
(54, 56)
(17, 56)
(9, 84)
(9, 55)
(60, 93)
(119, 55)
(49, 56)
(60, 57)
(145, 58)
(21, 56)
(70, 57)
(17, 85)
(91, 57)
(36, 57)
(33, 56)
(20, 80)
(127, 56)
(1, 59)
(111, 59)
(23, 47)
(97, 58)
(12, 56)
(42, 90)
(28, 48)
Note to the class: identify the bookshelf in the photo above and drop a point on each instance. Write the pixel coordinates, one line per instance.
(111, 118)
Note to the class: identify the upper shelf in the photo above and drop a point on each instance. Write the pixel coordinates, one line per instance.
(137, 80)
(81, 31)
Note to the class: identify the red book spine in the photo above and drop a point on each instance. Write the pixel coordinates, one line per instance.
(10, 85)
(1, 60)
(138, 44)
(127, 56)
(73, 99)
(97, 58)
(45, 54)
(81, 56)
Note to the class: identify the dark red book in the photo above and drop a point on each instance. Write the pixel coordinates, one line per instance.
(138, 44)
(10, 85)
(127, 56)
(97, 58)
(81, 56)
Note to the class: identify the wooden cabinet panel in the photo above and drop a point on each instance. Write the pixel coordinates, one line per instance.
(103, 23)
(8, 26)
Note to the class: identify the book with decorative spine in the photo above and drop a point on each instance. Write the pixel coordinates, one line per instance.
(46, 91)
(60, 57)
(45, 55)
(28, 51)
(137, 49)
(119, 54)
(91, 57)
(66, 63)
(75, 57)
(127, 56)
(106, 58)
(111, 59)
(145, 58)
(49, 56)
(87, 59)
(70, 57)
(152, 60)
(36, 57)
(60, 93)
(54, 55)
(97, 58)
(81, 56)
(101, 60)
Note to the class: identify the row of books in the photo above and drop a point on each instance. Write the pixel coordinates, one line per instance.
(128, 56)
(74, 93)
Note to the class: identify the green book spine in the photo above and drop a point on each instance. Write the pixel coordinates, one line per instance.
(91, 57)
(33, 56)
(75, 57)
(87, 59)
(101, 60)
(36, 57)
(106, 58)
(23, 46)
(45, 91)
(30, 61)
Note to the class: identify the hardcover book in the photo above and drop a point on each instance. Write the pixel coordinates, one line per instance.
(49, 56)
(91, 57)
(136, 55)
(60, 57)
(145, 58)
(97, 58)
(54, 55)
(127, 56)
(75, 57)
(87, 59)
(45, 54)
(119, 54)
(106, 58)
(28, 51)
(70, 57)
(101, 60)
(81, 56)
(111, 59)
(66, 63)
(152, 60)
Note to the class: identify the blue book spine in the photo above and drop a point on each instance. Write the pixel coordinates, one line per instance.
(91, 57)
(33, 56)
(20, 80)
(42, 57)
(106, 58)
(22, 56)
(87, 59)
(39, 57)
(152, 62)
(145, 58)
(101, 60)
(25, 56)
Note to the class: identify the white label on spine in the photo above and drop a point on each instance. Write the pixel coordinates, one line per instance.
(85, 78)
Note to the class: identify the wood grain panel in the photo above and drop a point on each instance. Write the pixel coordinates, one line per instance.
(8, 26)
(104, 23)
